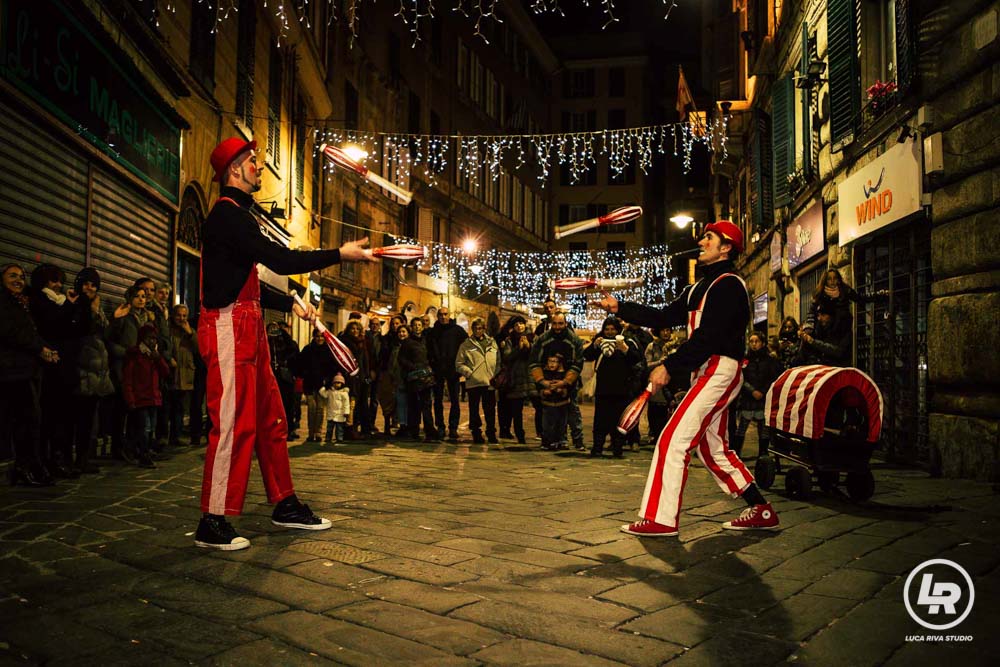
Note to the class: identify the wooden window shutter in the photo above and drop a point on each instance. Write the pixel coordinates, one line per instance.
(806, 94)
(727, 45)
(425, 225)
(761, 203)
(783, 137)
(845, 77)
(905, 62)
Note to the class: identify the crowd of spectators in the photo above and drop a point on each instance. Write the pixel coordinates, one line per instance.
(78, 375)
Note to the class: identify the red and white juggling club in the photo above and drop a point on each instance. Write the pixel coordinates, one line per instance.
(584, 284)
(615, 217)
(341, 353)
(630, 417)
(342, 159)
(404, 252)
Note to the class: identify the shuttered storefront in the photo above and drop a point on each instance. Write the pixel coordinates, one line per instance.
(43, 197)
(130, 237)
(45, 191)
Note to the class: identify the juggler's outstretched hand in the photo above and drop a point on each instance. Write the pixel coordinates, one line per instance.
(356, 251)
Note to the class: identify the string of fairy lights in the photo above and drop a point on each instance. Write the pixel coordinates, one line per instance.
(488, 156)
(520, 279)
(412, 13)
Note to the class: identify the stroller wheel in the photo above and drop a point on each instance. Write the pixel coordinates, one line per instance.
(828, 480)
(764, 471)
(860, 485)
(798, 483)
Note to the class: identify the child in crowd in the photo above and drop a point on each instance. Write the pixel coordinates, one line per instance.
(142, 373)
(555, 403)
(338, 409)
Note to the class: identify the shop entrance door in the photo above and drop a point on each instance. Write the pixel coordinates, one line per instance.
(892, 334)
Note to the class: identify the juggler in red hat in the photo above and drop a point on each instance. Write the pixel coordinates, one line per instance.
(729, 232)
(226, 152)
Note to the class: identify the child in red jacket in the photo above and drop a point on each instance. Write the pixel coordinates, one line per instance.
(144, 369)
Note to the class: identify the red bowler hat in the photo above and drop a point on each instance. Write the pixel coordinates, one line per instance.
(729, 232)
(226, 152)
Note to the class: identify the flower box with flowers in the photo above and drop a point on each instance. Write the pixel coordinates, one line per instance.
(881, 95)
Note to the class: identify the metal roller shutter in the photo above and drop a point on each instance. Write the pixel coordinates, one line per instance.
(130, 236)
(43, 197)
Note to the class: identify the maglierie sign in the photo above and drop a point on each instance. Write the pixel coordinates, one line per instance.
(885, 190)
(47, 53)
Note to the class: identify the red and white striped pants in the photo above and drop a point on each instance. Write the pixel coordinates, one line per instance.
(245, 407)
(700, 423)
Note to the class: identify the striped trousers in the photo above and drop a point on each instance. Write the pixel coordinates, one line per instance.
(699, 425)
(245, 407)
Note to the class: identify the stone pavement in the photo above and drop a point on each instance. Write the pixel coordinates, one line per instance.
(466, 555)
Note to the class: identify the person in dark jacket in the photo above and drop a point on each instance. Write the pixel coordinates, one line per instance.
(614, 356)
(415, 370)
(283, 353)
(788, 342)
(443, 341)
(359, 384)
(122, 334)
(515, 350)
(61, 323)
(833, 291)
(559, 339)
(143, 372)
(374, 341)
(184, 343)
(315, 365)
(829, 342)
(22, 353)
(93, 369)
(716, 311)
(759, 374)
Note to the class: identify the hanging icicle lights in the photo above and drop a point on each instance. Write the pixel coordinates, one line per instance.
(412, 13)
(522, 279)
(577, 151)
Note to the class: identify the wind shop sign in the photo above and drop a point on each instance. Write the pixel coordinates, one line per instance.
(54, 59)
(885, 190)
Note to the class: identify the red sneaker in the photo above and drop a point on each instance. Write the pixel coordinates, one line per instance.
(647, 528)
(758, 517)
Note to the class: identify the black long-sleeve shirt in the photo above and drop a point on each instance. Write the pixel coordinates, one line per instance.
(723, 324)
(232, 242)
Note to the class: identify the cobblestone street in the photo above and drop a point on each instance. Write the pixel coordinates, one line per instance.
(464, 555)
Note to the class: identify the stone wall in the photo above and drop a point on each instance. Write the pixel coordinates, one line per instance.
(963, 87)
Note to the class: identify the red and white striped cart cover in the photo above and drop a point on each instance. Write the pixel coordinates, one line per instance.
(798, 400)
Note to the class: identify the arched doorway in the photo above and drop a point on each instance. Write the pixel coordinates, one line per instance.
(188, 271)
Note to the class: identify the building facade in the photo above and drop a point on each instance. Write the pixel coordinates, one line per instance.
(864, 149)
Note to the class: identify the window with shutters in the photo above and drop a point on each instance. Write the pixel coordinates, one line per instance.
(518, 216)
(886, 57)
(245, 43)
(275, 77)
(348, 232)
(462, 69)
(579, 83)
(844, 77)
(202, 65)
(730, 68)
(783, 139)
(350, 106)
(761, 202)
(616, 82)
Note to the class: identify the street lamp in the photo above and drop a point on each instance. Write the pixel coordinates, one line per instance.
(469, 245)
(682, 220)
(476, 269)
